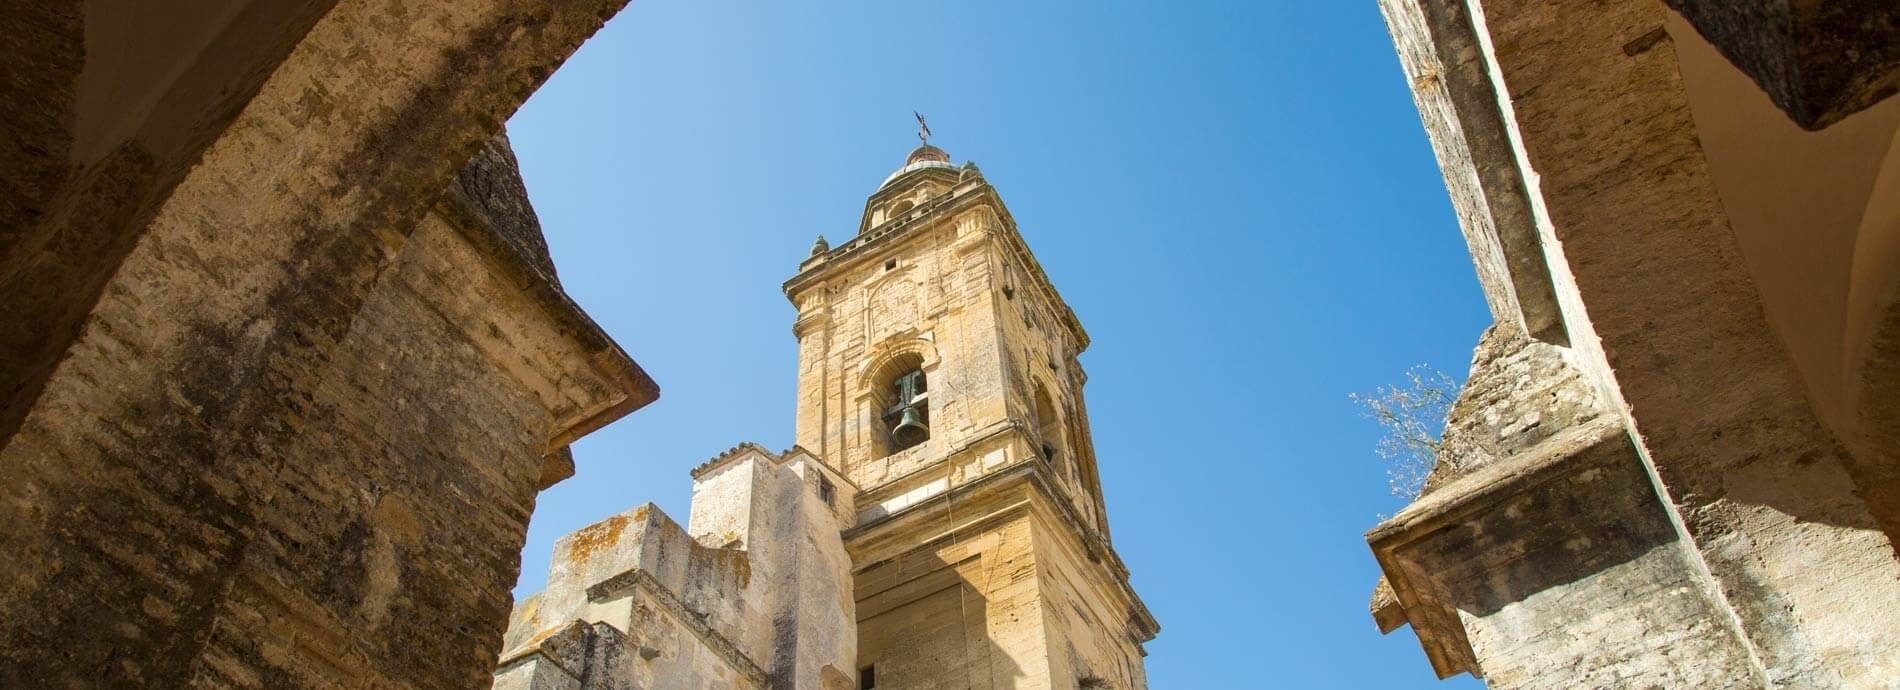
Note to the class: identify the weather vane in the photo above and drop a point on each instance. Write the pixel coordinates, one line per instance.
(923, 128)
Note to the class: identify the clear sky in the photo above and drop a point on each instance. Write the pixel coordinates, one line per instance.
(1237, 200)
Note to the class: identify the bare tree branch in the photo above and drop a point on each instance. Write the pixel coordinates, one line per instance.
(1413, 415)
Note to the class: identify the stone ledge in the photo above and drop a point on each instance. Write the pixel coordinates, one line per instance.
(1033, 472)
(961, 196)
(547, 645)
(476, 224)
(1436, 622)
(640, 580)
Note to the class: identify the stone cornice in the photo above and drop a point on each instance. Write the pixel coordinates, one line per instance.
(605, 355)
(1099, 546)
(637, 579)
(1035, 472)
(963, 195)
(728, 455)
(837, 475)
(1437, 624)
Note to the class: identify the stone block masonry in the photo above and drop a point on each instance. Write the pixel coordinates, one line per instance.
(280, 386)
(753, 594)
(1671, 465)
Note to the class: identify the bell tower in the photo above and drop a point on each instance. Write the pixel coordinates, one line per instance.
(938, 370)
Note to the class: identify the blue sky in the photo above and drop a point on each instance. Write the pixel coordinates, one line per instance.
(1237, 199)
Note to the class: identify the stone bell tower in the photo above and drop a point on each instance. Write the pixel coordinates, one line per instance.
(937, 369)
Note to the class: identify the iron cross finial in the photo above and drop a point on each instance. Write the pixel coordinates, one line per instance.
(923, 128)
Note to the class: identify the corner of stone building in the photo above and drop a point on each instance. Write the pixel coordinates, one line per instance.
(487, 203)
(1469, 565)
(1518, 392)
(756, 588)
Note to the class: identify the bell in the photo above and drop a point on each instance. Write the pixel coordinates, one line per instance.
(910, 429)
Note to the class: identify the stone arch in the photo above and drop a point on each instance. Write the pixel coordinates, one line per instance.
(877, 394)
(886, 355)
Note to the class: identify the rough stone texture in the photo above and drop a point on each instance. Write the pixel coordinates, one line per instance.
(78, 194)
(753, 595)
(983, 557)
(1819, 61)
(276, 416)
(1438, 49)
(490, 185)
(1606, 596)
(1665, 318)
(1518, 392)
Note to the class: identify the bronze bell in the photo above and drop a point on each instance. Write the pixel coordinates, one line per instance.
(910, 429)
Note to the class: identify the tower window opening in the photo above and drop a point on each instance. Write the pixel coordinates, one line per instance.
(906, 410)
(826, 491)
(867, 678)
(890, 264)
(1049, 429)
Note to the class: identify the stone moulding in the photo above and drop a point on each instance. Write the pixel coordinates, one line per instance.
(1457, 102)
(727, 456)
(1033, 471)
(963, 195)
(1415, 597)
(551, 646)
(639, 579)
(638, 389)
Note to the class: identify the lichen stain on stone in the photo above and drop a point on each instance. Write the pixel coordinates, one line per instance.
(736, 561)
(583, 544)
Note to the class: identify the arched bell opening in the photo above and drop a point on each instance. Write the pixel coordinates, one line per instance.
(901, 401)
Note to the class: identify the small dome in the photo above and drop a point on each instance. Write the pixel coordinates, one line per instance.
(927, 153)
(925, 156)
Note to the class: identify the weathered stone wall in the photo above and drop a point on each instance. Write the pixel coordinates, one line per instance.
(1819, 62)
(378, 574)
(1665, 319)
(1756, 481)
(1003, 593)
(681, 609)
(108, 107)
(1518, 393)
(1041, 353)
(771, 506)
(283, 416)
(754, 594)
(1608, 595)
(1095, 632)
(1604, 597)
(455, 470)
(961, 611)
